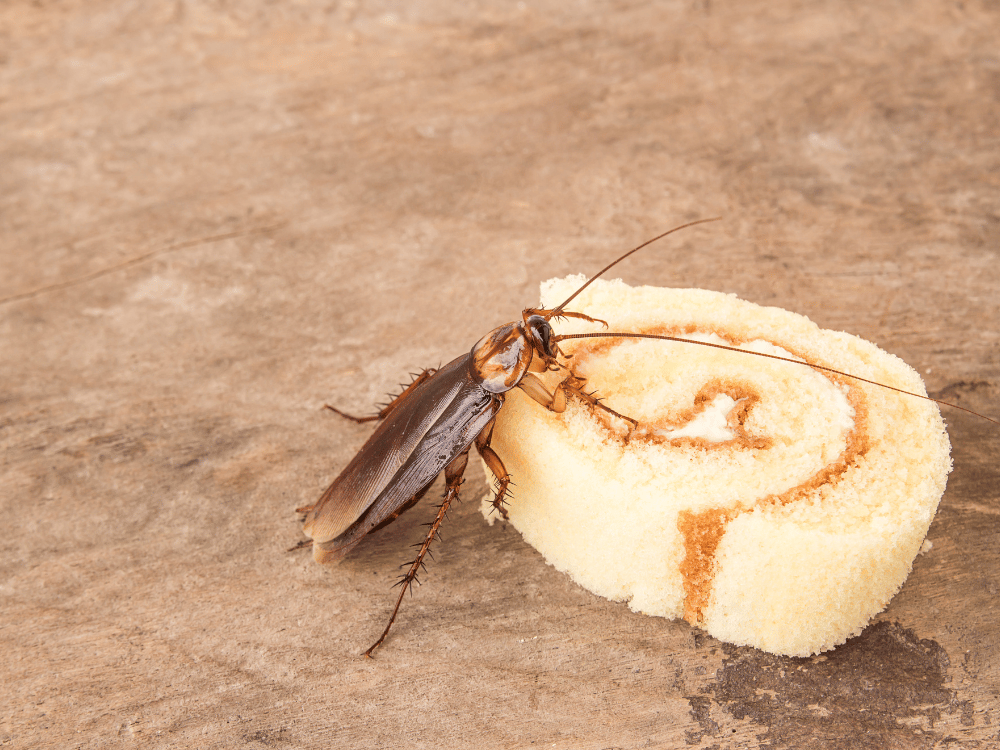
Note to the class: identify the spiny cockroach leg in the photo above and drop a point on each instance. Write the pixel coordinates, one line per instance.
(345, 415)
(590, 398)
(496, 466)
(548, 314)
(453, 480)
(304, 543)
(396, 400)
(503, 495)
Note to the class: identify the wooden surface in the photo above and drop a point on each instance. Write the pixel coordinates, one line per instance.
(319, 198)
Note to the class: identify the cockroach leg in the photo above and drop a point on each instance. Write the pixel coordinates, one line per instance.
(420, 378)
(574, 384)
(496, 466)
(301, 545)
(453, 480)
(563, 314)
(358, 420)
(534, 387)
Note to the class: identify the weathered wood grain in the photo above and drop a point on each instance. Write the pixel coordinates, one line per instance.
(397, 178)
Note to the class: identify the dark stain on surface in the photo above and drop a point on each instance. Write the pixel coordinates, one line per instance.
(700, 711)
(882, 689)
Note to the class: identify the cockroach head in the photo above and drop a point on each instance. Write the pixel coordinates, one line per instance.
(540, 333)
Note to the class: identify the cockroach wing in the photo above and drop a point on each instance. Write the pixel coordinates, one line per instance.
(425, 431)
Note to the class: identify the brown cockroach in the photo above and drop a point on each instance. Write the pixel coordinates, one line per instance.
(431, 426)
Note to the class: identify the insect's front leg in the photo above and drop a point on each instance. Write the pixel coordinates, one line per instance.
(564, 314)
(453, 480)
(496, 466)
(391, 405)
(556, 401)
(574, 384)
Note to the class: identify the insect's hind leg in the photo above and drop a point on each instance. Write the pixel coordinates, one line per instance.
(391, 405)
(453, 480)
(496, 466)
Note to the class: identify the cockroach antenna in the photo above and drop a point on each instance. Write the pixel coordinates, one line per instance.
(569, 336)
(554, 313)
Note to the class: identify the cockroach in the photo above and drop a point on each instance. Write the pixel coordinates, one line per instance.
(431, 426)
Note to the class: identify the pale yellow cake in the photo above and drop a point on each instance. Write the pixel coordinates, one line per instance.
(768, 503)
